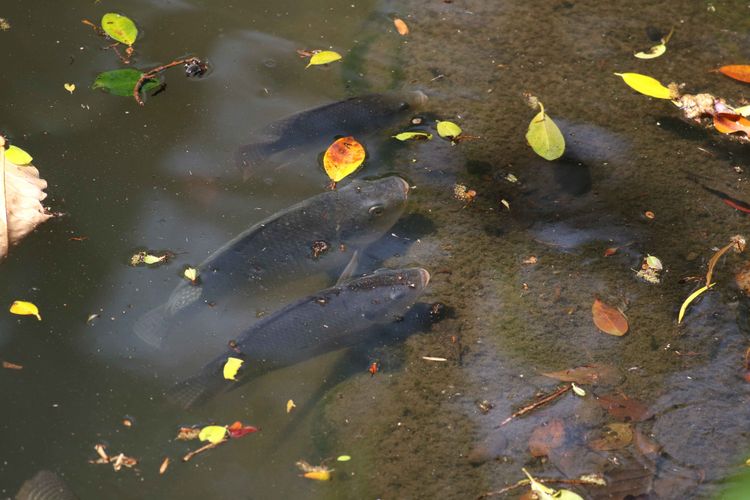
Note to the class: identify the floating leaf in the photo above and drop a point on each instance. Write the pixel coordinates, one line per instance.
(164, 465)
(654, 263)
(546, 493)
(12, 366)
(646, 85)
(401, 27)
(448, 130)
(691, 298)
(323, 57)
(24, 308)
(214, 434)
(237, 430)
(578, 391)
(290, 406)
(231, 367)
(120, 28)
(743, 110)
(547, 437)
(343, 458)
(739, 72)
(191, 274)
(70, 87)
(728, 123)
(153, 259)
(609, 319)
(420, 136)
(609, 252)
(16, 155)
(612, 437)
(318, 475)
(122, 82)
(653, 52)
(594, 374)
(343, 157)
(544, 137)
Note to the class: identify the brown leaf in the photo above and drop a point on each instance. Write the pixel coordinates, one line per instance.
(401, 27)
(547, 437)
(645, 444)
(624, 408)
(739, 72)
(609, 252)
(21, 193)
(611, 437)
(609, 319)
(594, 374)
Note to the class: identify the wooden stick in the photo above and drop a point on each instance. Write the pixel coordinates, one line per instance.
(593, 481)
(152, 73)
(201, 450)
(544, 400)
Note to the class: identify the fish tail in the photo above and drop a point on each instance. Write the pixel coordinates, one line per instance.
(152, 326)
(45, 485)
(196, 390)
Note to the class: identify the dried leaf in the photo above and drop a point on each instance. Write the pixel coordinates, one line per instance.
(343, 157)
(316, 472)
(21, 194)
(11, 366)
(609, 319)
(214, 434)
(646, 85)
(688, 300)
(119, 28)
(323, 57)
(188, 433)
(612, 437)
(728, 123)
(231, 367)
(739, 72)
(237, 430)
(544, 137)
(547, 437)
(23, 308)
(594, 374)
(623, 408)
(609, 252)
(401, 26)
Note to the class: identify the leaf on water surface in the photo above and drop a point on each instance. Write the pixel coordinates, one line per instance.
(23, 308)
(691, 298)
(728, 123)
(623, 408)
(231, 367)
(547, 437)
(593, 374)
(577, 390)
(188, 433)
(164, 465)
(653, 52)
(122, 82)
(120, 28)
(611, 437)
(646, 85)
(191, 274)
(290, 406)
(739, 72)
(316, 472)
(214, 434)
(546, 493)
(654, 263)
(343, 157)
(237, 430)
(343, 458)
(323, 57)
(12, 366)
(70, 87)
(448, 130)
(401, 26)
(608, 319)
(16, 155)
(545, 137)
(609, 252)
(419, 136)
(743, 110)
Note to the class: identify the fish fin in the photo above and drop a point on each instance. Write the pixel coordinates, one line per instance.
(197, 390)
(45, 485)
(152, 327)
(348, 271)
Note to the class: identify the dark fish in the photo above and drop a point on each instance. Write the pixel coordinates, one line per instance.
(319, 235)
(329, 320)
(45, 485)
(354, 116)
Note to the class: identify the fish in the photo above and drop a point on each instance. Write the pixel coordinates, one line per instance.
(320, 126)
(45, 485)
(322, 234)
(740, 205)
(331, 319)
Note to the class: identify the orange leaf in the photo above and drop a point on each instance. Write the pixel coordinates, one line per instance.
(343, 157)
(401, 27)
(727, 123)
(547, 437)
(609, 319)
(739, 72)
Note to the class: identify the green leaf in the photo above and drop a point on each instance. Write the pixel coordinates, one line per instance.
(448, 130)
(120, 28)
(215, 434)
(16, 155)
(122, 82)
(419, 136)
(544, 137)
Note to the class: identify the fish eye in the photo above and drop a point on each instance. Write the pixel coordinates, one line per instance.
(376, 210)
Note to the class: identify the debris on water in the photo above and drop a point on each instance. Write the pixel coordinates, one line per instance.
(290, 406)
(611, 437)
(401, 26)
(164, 465)
(609, 252)
(484, 406)
(547, 437)
(649, 214)
(128, 421)
(188, 433)
(650, 269)
(149, 258)
(433, 358)
(118, 461)
(315, 472)
(593, 374)
(373, 369)
(231, 367)
(191, 274)
(462, 193)
(609, 319)
(195, 68)
(24, 308)
(319, 248)
(540, 401)
(437, 311)
(4, 24)
(623, 408)
(12, 366)
(530, 260)
(91, 318)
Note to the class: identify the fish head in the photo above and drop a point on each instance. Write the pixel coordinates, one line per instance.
(367, 209)
(389, 292)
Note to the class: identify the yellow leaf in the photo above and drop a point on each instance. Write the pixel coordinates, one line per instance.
(653, 52)
(743, 110)
(24, 308)
(544, 137)
(405, 136)
(343, 458)
(70, 87)
(646, 85)
(343, 157)
(16, 155)
(318, 475)
(153, 259)
(323, 57)
(448, 130)
(191, 274)
(290, 405)
(231, 367)
(691, 298)
(579, 392)
(215, 434)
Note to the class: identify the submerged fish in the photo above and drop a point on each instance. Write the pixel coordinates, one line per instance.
(319, 235)
(331, 319)
(354, 116)
(45, 485)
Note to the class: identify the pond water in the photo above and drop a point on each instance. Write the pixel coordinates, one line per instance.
(163, 177)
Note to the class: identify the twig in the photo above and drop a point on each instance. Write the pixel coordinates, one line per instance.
(536, 404)
(583, 480)
(150, 74)
(201, 450)
(737, 242)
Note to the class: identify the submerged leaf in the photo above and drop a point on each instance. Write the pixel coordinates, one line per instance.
(420, 136)
(23, 308)
(448, 130)
(646, 85)
(624, 408)
(609, 319)
(122, 82)
(214, 434)
(739, 72)
(120, 28)
(16, 155)
(544, 137)
(612, 437)
(323, 57)
(343, 157)
(231, 367)
(593, 374)
(547, 437)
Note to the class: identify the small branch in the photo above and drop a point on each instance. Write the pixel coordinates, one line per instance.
(536, 404)
(592, 481)
(201, 450)
(152, 73)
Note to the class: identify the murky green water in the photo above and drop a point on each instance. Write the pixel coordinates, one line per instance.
(162, 177)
